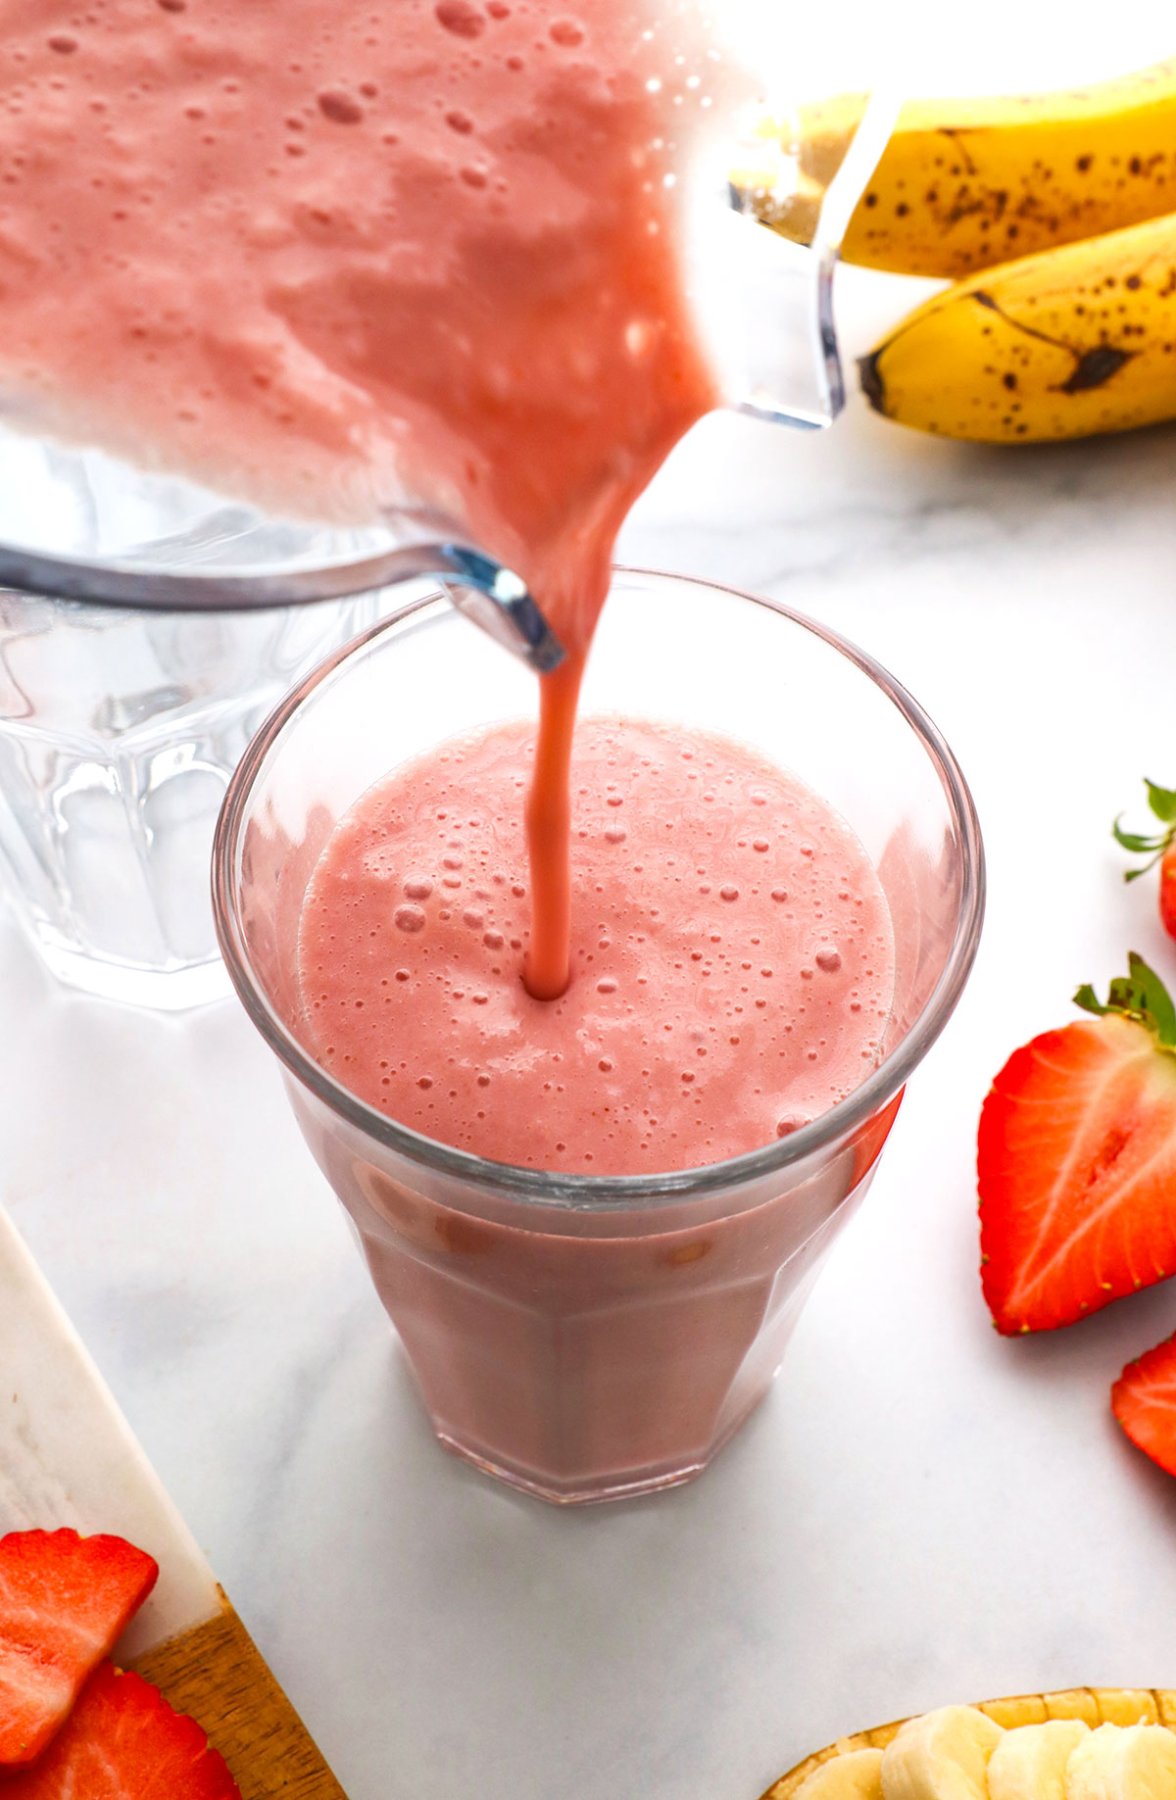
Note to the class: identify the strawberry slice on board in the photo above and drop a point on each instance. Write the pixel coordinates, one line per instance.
(123, 1742)
(1144, 1402)
(65, 1601)
(1076, 1158)
(1159, 846)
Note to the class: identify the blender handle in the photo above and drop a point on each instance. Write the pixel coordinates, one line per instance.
(493, 597)
(766, 301)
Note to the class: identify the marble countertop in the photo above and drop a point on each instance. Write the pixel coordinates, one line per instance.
(921, 1511)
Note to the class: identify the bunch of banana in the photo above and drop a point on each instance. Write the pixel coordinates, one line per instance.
(1086, 1744)
(1076, 338)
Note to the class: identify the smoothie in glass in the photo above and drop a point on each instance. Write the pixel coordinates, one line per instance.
(732, 962)
(732, 975)
(595, 1269)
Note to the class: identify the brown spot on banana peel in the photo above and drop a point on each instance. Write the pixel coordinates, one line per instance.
(870, 376)
(983, 298)
(1094, 368)
(956, 134)
(869, 367)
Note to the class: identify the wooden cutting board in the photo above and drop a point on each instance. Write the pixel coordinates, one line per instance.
(68, 1457)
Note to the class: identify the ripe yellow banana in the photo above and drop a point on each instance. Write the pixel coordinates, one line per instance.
(1068, 343)
(963, 184)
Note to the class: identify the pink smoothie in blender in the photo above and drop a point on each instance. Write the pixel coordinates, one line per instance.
(350, 259)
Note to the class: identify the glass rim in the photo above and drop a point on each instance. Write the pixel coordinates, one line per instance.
(602, 1193)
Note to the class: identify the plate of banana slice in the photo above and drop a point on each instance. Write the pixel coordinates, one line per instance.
(1078, 1744)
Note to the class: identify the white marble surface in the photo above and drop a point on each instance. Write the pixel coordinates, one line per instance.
(921, 1511)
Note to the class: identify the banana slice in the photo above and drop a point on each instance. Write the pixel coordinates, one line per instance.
(855, 1775)
(1030, 1762)
(941, 1756)
(1123, 1762)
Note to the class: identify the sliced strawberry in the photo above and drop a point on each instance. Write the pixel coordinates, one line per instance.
(1158, 846)
(123, 1742)
(1144, 1402)
(65, 1601)
(1077, 1161)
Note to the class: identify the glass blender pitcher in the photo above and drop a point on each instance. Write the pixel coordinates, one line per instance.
(147, 624)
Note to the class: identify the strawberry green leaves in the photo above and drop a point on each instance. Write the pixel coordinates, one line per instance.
(1138, 995)
(1158, 846)
(1151, 844)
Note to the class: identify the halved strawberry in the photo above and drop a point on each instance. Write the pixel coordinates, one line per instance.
(65, 1601)
(1077, 1161)
(1144, 1402)
(123, 1742)
(1158, 847)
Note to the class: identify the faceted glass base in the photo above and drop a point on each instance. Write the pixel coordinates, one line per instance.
(655, 1480)
(175, 989)
(119, 732)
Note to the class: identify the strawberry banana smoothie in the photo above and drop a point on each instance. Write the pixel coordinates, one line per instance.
(732, 965)
(732, 979)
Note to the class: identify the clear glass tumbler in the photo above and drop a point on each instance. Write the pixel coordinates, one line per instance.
(118, 733)
(586, 1337)
(119, 728)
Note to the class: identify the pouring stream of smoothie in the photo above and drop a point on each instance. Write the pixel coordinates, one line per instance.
(549, 825)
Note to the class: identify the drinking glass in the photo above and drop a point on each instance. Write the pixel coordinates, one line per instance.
(590, 1337)
(119, 730)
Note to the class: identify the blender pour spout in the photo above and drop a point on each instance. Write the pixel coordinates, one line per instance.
(500, 602)
(765, 265)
